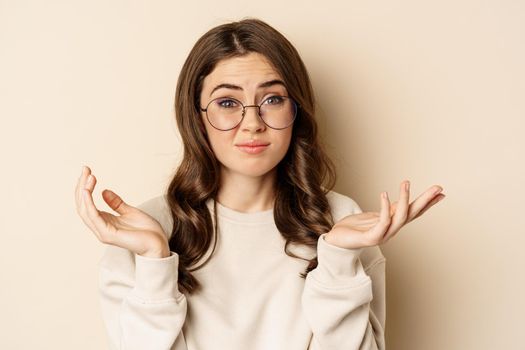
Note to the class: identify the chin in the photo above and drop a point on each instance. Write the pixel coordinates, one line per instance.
(252, 170)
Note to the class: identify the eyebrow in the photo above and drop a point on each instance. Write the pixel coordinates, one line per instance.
(236, 87)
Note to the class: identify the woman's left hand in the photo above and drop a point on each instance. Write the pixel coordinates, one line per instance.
(371, 228)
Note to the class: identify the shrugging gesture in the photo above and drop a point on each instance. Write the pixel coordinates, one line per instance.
(372, 228)
(133, 229)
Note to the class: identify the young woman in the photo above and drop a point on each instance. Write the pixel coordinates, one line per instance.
(249, 248)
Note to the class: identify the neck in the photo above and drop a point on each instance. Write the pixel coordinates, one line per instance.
(247, 193)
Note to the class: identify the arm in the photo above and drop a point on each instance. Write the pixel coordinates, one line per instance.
(344, 304)
(141, 305)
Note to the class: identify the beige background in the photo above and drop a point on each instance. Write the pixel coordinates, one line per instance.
(427, 91)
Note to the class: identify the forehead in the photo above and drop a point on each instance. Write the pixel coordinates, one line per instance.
(247, 71)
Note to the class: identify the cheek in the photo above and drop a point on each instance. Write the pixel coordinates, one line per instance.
(285, 141)
(220, 142)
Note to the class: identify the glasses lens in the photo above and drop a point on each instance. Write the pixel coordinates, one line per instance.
(278, 112)
(224, 113)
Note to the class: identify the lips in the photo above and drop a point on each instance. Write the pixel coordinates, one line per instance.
(252, 149)
(253, 143)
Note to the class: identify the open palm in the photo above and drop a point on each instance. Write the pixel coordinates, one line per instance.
(372, 228)
(133, 229)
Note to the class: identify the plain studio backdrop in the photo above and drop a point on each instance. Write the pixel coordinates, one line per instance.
(429, 91)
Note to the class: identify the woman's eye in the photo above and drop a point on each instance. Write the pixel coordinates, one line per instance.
(226, 103)
(274, 100)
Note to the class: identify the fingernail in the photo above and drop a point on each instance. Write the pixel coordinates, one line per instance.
(438, 190)
(407, 185)
(82, 171)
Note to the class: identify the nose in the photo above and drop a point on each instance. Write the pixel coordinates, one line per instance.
(252, 120)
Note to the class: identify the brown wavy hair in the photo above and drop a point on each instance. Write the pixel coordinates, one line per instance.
(304, 176)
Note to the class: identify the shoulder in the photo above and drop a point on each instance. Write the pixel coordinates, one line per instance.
(158, 208)
(343, 205)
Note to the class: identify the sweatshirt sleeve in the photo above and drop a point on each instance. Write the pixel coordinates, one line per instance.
(140, 302)
(344, 304)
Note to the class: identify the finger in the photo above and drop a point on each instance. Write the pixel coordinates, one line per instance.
(115, 202)
(98, 223)
(393, 207)
(384, 215)
(376, 233)
(80, 185)
(422, 201)
(401, 213)
(83, 182)
(77, 188)
(430, 204)
(89, 184)
(85, 215)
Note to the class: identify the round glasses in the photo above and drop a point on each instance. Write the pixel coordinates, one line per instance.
(225, 113)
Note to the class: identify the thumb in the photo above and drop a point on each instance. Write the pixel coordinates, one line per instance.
(115, 202)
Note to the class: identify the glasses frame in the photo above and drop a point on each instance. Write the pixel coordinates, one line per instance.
(297, 107)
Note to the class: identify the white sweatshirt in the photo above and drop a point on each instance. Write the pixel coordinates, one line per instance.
(253, 297)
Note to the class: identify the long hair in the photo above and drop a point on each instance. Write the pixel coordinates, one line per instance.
(304, 176)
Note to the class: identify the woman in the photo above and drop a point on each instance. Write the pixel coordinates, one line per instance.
(249, 248)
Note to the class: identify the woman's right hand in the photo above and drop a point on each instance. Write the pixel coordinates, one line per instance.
(133, 229)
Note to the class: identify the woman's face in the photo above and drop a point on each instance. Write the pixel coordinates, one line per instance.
(246, 72)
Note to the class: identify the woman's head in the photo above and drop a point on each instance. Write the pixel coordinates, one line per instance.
(243, 53)
(246, 53)
(224, 104)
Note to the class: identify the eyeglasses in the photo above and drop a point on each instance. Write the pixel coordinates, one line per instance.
(225, 113)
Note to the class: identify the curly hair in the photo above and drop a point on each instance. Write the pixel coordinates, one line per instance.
(306, 174)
